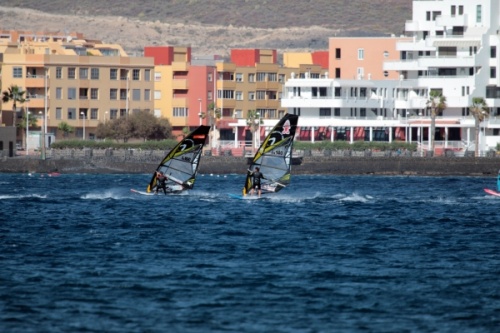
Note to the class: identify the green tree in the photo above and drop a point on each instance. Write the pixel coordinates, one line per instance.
(143, 124)
(254, 120)
(480, 112)
(122, 129)
(15, 95)
(436, 104)
(65, 128)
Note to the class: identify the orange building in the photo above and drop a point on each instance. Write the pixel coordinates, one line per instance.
(362, 58)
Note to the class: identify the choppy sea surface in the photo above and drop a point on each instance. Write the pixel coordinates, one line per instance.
(82, 253)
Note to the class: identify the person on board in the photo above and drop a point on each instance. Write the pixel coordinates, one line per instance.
(161, 182)
(256, 176)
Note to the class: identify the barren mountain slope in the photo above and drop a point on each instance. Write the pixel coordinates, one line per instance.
(288, 31)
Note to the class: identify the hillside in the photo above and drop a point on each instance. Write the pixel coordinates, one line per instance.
(211, 26)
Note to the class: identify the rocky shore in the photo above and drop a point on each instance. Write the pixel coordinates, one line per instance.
(146, 162)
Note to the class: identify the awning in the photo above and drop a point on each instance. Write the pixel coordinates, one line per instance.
(458, 42)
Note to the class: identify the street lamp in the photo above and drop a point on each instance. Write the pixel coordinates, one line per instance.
(43, 134)
(200, 114)
(484, 133)
(27, 124)
(105, 116)
(83, 116)
(257, 137)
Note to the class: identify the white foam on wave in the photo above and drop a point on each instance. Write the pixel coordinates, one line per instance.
(104, 195)
(355, 197)
(21, 196)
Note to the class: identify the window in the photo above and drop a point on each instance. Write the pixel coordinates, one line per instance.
(71, 93)
(93, 113)
(58, 113)
(136, 94)
(157, 94)
(123, 94)
(239, 77)
(386, 54)
(147, 75)
(58, 93)
(478, 13)
(71, 113)
(271, 77)
(336, 112)
(251, 96)
(113, 94)
(325, 112)
(94, 93)
(147, 94)
(337, 73)
(157, 76)
(94, 73)
(17, 72)
(493, 72)
(453, 10)
(386, 73)
(83, 93)
(338, 91)
(136, 74)
(251, 77)
(461, 10)
(113, 114)
(361, 54)
(239, 96)
(209, 95)
(113, 74)
(179, 112)
(282, 78)
(71, 72)
(337, 53)
(58, 72)
(123, 112)
(261, 94)
(209, 77)
(237, 114)
(261, 77)
(493, 52)
(84, 73)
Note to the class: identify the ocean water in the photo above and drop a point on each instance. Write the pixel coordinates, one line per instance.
(81, 253)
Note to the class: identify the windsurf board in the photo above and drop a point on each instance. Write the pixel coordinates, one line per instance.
(142, 192)
(492, 192)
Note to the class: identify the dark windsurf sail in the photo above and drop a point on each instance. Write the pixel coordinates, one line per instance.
(181, 163)
(274, 157)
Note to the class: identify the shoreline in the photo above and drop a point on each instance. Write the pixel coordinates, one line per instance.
(332, 165)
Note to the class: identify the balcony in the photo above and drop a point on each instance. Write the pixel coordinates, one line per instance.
(180, 84)
(180, 66)
(451, 21)
(35, 81)
(179, 102)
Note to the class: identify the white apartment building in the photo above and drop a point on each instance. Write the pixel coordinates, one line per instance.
(453, 47)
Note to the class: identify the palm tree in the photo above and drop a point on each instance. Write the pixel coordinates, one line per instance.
(214, 114)
(480, 111)
(436, 104)
(254, 120)
(65, 128)
(15, 95)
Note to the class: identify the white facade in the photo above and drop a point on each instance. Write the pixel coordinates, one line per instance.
(454, 48)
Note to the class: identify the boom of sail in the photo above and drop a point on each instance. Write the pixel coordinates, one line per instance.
(274, 157)
(181, 163)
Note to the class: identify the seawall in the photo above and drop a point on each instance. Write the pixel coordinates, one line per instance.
(341, 165)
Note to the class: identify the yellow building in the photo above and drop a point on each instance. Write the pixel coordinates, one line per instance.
(74, 80)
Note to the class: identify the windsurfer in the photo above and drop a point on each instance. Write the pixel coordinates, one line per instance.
(257, 176)
(161, 180)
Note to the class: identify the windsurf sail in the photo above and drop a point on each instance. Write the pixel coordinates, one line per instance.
(181, 163)
(274, 157)
(498, 181)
